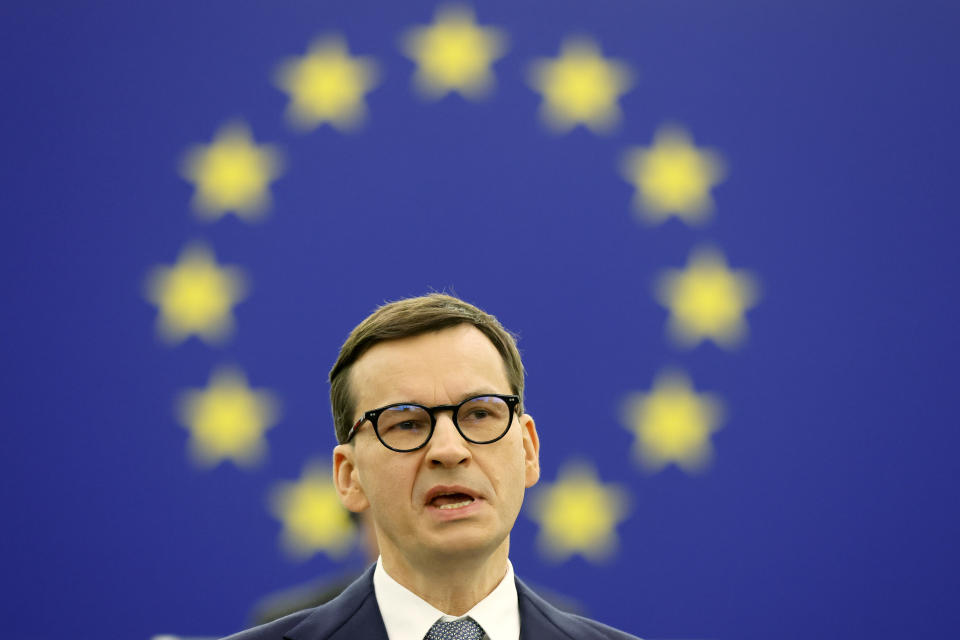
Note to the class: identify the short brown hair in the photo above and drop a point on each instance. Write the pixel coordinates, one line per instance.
(407, 318)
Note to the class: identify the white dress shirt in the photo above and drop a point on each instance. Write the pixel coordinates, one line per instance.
(408, 617)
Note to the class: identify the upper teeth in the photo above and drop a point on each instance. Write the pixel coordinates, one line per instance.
(455, 505)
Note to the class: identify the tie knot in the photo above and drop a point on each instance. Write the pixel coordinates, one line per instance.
(462, 629)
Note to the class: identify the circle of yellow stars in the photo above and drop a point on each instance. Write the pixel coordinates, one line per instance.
(580, 87)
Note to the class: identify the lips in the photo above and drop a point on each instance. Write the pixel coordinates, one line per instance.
(450, 497)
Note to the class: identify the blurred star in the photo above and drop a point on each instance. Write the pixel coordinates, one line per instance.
(312, 516)
(231, 174)
(327, 86)
(673, 424)
(227, 419)
(672, 177)
(580, 87)
(454, 54)
(578, 514)
(195, 296)
(707, 300)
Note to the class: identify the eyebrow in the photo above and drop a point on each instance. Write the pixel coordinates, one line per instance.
(470, 394)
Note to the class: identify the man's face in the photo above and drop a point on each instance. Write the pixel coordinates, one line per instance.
(443, 367)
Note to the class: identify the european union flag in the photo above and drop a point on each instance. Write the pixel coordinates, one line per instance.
(723, 231)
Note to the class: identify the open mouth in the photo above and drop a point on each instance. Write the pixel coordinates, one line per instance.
(451, 501)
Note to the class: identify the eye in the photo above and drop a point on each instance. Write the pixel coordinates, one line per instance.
(408, 425)
(404, 419)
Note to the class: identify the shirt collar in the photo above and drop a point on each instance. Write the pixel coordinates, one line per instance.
(408, 617)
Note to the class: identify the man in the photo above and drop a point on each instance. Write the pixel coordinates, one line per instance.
(427, 398)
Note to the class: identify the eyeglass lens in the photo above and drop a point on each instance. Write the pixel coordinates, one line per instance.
(408, 426)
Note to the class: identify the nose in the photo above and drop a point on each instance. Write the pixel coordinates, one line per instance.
(447, 448)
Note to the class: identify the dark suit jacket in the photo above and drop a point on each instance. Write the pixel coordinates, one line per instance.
(355, 614)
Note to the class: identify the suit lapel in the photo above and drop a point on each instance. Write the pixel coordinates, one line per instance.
(352, 614)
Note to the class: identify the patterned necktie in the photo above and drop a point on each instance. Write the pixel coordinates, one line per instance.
(463, 629)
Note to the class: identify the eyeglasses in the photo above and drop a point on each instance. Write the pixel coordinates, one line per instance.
(408, 427)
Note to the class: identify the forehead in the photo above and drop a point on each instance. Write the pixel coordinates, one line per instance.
(439, 367)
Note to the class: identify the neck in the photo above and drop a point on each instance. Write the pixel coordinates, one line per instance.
(453, 585)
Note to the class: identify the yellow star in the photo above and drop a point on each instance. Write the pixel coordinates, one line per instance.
(578, 514)
(231, 174)
(327, 85)
(312, 516)
(580, 87)
(454, 54)
(707, 300)
(227, 419)
(672, 177)
(195, 296)
(673, 424)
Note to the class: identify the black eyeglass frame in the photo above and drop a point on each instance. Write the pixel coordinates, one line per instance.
(511, 401)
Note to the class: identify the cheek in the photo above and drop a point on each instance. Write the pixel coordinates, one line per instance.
(386, 479)
(510, 472)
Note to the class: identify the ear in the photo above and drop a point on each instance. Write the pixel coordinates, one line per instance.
(531, 449)
(347, 479)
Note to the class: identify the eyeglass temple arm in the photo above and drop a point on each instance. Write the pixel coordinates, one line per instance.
(354, 428)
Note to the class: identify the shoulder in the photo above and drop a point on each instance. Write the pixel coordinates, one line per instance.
(354, 613)
(538, 618)
(275, 630)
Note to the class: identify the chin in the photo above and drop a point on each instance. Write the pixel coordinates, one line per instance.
(462, 542)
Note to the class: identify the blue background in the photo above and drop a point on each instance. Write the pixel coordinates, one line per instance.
(831, 507)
